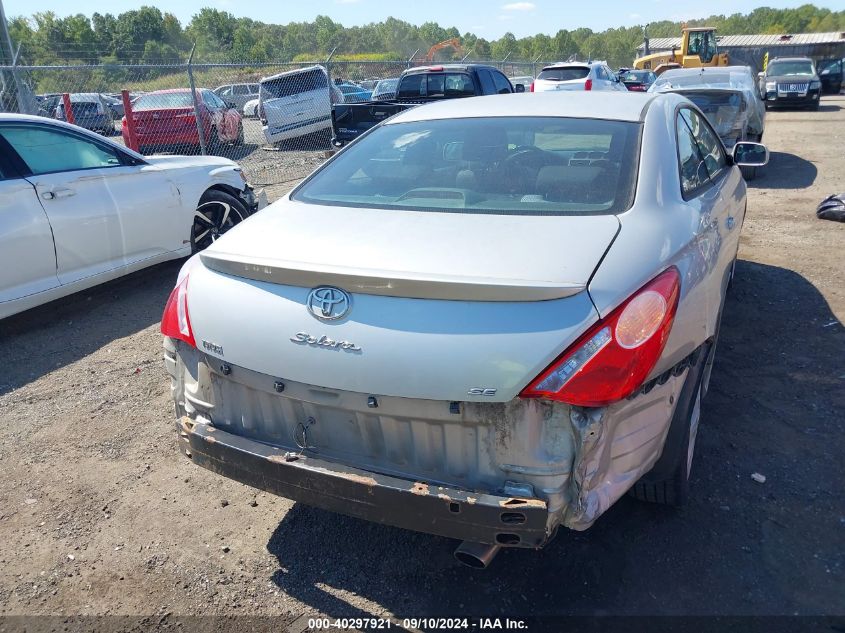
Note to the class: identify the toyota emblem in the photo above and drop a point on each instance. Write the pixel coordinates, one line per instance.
(328, 303)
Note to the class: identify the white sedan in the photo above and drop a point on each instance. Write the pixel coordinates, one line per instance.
(77, 209)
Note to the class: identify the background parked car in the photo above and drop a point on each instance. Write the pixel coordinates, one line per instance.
(524, 80)
(90, 110)
(353, 93)
(728, 97)
(296, 103)
(77, 209)
(237, 94)
(831, 74)
(791, 82)
(165, 119)
(637, 80)
(385, 90)
(115, 104)
(577, 76)
(250, 110)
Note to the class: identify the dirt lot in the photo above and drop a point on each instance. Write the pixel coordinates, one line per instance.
(100, 515)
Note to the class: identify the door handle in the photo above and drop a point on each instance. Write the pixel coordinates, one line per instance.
(58, 193)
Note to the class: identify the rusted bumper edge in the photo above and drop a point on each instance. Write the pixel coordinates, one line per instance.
(412, 505)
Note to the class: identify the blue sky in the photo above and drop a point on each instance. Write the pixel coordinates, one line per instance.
(486, 18)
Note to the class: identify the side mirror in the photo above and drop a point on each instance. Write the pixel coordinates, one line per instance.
(747, 154)
(453, 151)
(761, 75)
(519, 87)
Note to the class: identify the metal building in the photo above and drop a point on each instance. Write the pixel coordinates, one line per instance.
(749, 50)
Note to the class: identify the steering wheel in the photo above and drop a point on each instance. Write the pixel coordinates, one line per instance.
(519, 169)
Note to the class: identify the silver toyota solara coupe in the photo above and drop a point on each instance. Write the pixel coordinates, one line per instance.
(484, 319)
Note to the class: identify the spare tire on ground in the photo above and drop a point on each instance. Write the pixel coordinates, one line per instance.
(832, 208)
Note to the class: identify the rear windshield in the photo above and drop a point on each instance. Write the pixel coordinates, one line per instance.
(567, 73)
(84, 107)
(435, 85)
(776, 69)
(294, 84)
(639, 75)
(505, 165)
(163, 101)
(724, 109)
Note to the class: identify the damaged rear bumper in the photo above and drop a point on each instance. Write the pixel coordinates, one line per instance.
(450, 512)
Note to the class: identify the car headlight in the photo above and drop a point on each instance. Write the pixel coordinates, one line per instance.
(771, 85)
(815, 85)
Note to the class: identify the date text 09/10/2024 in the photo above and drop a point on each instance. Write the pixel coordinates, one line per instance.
(481, 624)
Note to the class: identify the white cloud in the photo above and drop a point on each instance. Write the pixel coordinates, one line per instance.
(519, 6)
(504, 17)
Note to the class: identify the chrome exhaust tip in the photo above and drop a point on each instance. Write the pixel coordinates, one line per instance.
(476, 555)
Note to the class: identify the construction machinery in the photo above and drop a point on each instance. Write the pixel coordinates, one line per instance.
(454, 43)
(698, 49)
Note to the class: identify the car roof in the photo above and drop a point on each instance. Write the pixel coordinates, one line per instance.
(707, 70)
(790, 59)
(295, 71)
(569, 65)
(172, 91)
(617, 106)
(438, 67)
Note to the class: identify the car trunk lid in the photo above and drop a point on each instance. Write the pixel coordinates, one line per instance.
(445, 306)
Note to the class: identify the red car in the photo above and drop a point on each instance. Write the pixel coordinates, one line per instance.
(165, 119)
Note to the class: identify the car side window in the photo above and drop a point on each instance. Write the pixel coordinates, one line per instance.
(502, 84)
(48, 151)
(487, 85)
(226, 91)
(708, 143)
(693, 170)
(241, 89)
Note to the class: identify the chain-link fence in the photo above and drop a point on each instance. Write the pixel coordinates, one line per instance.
(273, 118)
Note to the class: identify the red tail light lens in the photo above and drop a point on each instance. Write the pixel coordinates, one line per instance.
(613, 358)
(532, 87)
(588, 85)
(175, 322)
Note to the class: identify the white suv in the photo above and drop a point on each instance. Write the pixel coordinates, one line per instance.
(296, 103)
(577, 76)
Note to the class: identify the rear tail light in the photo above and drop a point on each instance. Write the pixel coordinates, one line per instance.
(532, 87)
(175, 321)
(613, 358)
(588, 85)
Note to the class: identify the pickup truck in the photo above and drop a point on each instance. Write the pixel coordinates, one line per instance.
(416, 86)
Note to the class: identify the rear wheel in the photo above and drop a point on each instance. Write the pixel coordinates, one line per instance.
(216, 213)
(667, 483)
(213, 144)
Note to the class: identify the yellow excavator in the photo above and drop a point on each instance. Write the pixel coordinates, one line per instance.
(698, 49)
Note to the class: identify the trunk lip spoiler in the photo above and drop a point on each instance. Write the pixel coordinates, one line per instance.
(404, 284)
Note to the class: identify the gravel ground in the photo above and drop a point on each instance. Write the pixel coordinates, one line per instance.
(100, 515)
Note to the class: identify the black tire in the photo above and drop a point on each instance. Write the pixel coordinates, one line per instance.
(213, 144)
(216, 213)
(667, 483)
